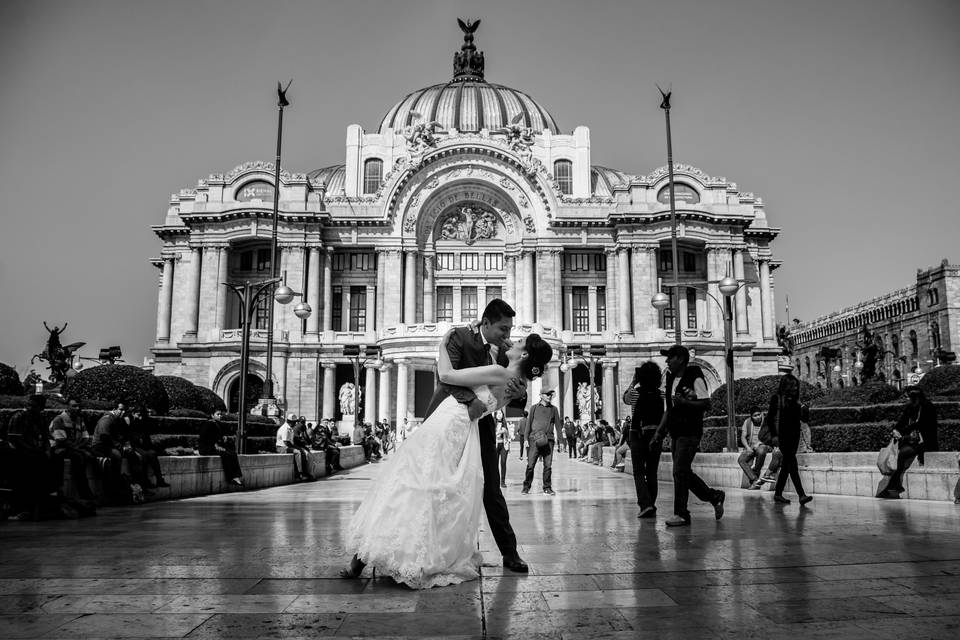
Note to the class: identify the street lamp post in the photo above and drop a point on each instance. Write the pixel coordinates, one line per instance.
(249, 299)
(728, 287)
(587, 355)
(665, 105)
(281, 103)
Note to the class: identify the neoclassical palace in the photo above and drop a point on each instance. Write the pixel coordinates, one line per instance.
(466, 191)
(914, 329)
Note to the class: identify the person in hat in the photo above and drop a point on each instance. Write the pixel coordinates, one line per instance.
(916, 431)
(686, 402)
(541, 437)
(284, 444)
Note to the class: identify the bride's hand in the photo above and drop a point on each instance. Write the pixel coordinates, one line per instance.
(515, 389)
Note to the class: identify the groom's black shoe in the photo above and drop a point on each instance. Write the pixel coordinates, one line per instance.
(516, 565)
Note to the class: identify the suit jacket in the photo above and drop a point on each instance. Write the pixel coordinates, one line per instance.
(549, 413)
(466, 349)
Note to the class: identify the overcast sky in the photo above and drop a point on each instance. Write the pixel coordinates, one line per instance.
(843, 115)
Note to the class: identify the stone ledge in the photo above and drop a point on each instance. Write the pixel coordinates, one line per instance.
(849, 474)
(191, 476)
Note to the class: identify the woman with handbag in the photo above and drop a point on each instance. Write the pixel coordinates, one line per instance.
(784, 420)
(916, 432)
(647, 403)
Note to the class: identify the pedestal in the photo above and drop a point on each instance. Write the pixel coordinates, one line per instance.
(268, 407)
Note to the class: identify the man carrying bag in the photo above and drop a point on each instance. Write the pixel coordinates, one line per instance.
(540, 433)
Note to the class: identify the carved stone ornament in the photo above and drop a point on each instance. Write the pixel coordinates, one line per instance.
(529, 224)
(469, 224)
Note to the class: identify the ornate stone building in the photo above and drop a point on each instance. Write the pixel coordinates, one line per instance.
(466, 191)
(914, 329)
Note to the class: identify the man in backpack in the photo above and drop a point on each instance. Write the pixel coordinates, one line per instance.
(541, 436)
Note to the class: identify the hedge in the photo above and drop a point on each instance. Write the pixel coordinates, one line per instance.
(181, 392)
(209, 401)
(943, 381)
(187, 413)
(752, 393)
(164, 425)
(118, 383)
(855, 396)
(10, 381)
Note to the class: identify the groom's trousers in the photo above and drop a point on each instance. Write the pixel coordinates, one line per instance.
(493, 501)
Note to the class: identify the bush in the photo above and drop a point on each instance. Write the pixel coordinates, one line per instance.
(182, 393)
(943, 381)
(753, 393)
(187, 413)
(114, 383)
(251, 419)
(209, 401)
(10, 381)
(866, 394)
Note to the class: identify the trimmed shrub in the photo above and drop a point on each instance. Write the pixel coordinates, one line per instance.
(253, 418)
(943, 381)
(866, 394)
(751, 393)
(182, 393)
(209, 401)
(118, 383)
(10, 381)
(187, 413)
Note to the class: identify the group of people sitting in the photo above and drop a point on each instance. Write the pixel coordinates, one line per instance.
(32, 453)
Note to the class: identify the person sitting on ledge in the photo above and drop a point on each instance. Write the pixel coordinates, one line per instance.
(284, 444)
(216, 440)
(917, 432)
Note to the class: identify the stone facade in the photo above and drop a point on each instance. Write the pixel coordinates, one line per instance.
(439, 210)
(916, 328)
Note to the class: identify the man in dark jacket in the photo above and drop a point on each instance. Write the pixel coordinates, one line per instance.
(541, 427)
(687, 400)
(31, 478)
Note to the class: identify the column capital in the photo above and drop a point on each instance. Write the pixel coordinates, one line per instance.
(401, 361)
(610, 251)
(386, 366)
(645, 248)
(409, 250)
(328, 365)
(608, 364)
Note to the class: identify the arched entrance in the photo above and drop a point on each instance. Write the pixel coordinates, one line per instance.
(254, 391)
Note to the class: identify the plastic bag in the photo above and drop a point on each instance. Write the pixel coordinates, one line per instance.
(887, 458)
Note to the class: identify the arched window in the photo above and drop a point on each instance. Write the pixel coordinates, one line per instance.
(913, 343)
(563, 172)
(807, 362)
(372, 175)
(935, 335)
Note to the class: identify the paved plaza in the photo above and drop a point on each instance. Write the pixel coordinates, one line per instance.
(263, 565)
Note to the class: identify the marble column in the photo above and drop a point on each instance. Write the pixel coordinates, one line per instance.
(193, 292)
(329, 390)
(557, 255)
(643, 284)
(370, 396)
(166, 302)
(410, 287)
(546, 298)
(624, 294)
(403, 370)
(609, 391)
(613, 295)
(384, 400)
(381, 283)
(511, 292)
(568, 394)
(741, 299)
(429, 305)
(313, 290)
(327, 292)
(207, 305)
(529, 297)
(592, 308)
(371, 308)
(766, 300)
(223, 294)
(392, 300)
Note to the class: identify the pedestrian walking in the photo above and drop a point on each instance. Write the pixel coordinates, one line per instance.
(503, 446)
(783, 417)
(645, 398)
(541, 436)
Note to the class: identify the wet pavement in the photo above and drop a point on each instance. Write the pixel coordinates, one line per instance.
(263, 565)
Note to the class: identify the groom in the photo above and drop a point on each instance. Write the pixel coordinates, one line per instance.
(475, 346)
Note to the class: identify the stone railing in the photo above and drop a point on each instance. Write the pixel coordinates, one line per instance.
(236, 335)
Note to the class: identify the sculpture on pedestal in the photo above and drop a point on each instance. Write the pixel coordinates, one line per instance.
(347, 406)
(57, 356)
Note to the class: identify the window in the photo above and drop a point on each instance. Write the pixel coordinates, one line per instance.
(935, 336)
(444, 304)
(339, 262)
(599, 262)
(362, 262)
(601, 308)
(581, 309)
(807, 362)
(469, 261)
(691, 308)
(563, 172)
(468, 304)
(913, 343)
(358, 308)
(689, 261)
(666, 260)
(446, 261)
(681, 193)
(260, 314)
(263, 259)
(576, 262)
(669, 314)
(337, 309)
(493, 262)
(895, 344)
(372, 175)
(494, 292)
(246, 261)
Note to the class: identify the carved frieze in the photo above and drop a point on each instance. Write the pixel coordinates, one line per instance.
(469, 224)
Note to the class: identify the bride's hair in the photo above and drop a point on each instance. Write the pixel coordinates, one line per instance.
(539, 353)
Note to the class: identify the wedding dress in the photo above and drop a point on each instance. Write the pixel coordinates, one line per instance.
(420, 522)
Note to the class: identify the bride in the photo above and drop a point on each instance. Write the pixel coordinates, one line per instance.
(420, 522)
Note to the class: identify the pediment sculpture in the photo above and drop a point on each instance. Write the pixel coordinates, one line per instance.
(468, 224)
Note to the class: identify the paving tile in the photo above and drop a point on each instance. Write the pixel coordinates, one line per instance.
(107, 604)
(24, 603)
(353, 603)
(269, 603)
(561, 600)
(133, 625)
(414, 624)
(307, 586)
(539, 583)
(520, 624)
(31, 625)
(282, 625)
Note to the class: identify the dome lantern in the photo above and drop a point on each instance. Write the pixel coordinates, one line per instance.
(468, 62)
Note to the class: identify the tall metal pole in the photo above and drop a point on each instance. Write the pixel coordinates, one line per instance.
(275, 268)
(731, 402)
(665, 105)
(246, 305)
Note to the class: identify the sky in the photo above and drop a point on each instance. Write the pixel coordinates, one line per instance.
(841, 114)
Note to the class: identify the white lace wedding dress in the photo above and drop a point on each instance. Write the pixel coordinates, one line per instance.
(420, 522)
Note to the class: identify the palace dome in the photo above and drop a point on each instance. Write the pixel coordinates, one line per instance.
(468, 102)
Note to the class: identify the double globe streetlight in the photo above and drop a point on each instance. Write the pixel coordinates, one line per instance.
(728, 287)
(249, 294)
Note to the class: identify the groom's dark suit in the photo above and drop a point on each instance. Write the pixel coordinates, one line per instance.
(466, 349)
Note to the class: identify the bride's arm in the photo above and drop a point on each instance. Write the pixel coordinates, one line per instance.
(492, 374)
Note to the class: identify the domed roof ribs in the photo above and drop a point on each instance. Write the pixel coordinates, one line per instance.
(527, 120)
(479, 99)
(436, 103)
(504, 120)
(457, 102)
